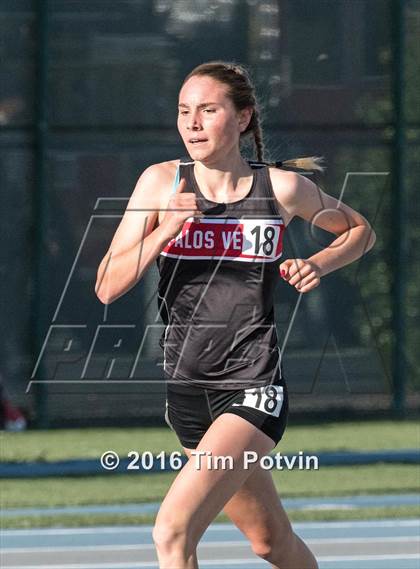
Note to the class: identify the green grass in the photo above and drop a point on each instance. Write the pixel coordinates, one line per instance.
(135, 488)
(91, 443)
(294, 516)
(125, 489)
(345, 480)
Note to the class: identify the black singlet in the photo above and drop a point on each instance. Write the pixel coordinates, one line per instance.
(216, 290)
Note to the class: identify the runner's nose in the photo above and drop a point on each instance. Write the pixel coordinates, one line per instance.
(193, 122)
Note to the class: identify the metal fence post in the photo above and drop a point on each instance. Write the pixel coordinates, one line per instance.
(38, 204)
(399, 210)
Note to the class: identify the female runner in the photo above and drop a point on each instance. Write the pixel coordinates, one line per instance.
(217, 239)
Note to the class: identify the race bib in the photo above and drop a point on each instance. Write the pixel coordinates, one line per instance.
(246, 240)
(268, 399)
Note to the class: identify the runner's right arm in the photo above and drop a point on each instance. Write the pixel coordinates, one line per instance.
(136, 244)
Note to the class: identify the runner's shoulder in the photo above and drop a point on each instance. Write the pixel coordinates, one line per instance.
(285, 184)
(156, 180)
(161, 171)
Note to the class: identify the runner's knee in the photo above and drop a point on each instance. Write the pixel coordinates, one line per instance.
(273, 547)
(170, 536)
(285, 551)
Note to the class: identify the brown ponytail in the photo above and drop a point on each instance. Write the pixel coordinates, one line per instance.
(306, 163)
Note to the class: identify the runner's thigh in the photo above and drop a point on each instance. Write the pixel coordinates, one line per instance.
(200, 490)
(257, 511)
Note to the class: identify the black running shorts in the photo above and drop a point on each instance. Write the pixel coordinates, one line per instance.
(190, 410)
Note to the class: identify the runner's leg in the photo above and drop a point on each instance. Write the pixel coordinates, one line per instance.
(197, 495)
(257, 511)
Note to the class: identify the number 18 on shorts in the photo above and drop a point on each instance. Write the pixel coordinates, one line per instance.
(268, 399)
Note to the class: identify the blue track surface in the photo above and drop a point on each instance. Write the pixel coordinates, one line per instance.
(376, 544)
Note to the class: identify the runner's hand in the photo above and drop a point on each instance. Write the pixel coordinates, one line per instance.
(181, 206)
(303, 274)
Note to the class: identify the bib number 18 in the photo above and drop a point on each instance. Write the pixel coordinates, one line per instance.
(267, 242)
(268, 399)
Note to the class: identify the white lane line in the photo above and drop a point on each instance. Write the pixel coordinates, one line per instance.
(324, 558)
(71, 548)
(151, 565)
(116, 547)
(389, 557)
(243, 543)
(360, 524)
(87, 566)
(214, 527)
(376, 539)
(78, 531)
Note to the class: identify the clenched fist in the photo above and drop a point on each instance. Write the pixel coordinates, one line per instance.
(300, 273)
(181, 206)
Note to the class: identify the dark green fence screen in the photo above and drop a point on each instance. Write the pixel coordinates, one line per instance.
(88, 97)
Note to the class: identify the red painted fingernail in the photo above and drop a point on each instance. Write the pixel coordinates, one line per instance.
(283, 273)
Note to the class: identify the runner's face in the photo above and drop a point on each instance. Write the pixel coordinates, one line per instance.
(207, 119)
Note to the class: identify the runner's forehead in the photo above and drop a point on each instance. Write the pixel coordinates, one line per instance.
(201, 90)
(206, 104)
